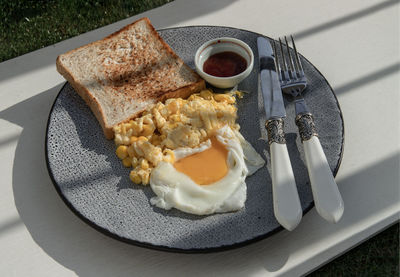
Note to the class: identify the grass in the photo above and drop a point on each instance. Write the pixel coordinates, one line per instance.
(379, 256)
(30, 25)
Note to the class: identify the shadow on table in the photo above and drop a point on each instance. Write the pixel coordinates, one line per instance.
(346, 19)
(59, 232)
(85, 251)
(367, 79)
(177, 11)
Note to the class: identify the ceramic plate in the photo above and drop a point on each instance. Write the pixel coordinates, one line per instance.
(94, 184)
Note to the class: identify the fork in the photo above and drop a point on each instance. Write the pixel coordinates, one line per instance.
(327, 198)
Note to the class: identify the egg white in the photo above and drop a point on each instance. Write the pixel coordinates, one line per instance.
(174, 189)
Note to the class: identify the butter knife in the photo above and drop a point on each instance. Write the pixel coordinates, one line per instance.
(286, 202)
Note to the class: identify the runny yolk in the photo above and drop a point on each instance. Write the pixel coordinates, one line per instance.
(205, 167)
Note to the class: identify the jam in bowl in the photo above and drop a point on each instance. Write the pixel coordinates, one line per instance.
(224, 62)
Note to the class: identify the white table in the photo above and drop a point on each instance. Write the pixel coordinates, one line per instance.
(355, 44)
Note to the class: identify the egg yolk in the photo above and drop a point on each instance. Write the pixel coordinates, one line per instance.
(205, 167)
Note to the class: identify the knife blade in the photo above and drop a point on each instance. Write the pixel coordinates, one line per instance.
(273, 99)
(286, 202)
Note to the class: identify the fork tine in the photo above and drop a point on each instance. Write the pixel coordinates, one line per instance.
(285, 72)
(298, 61)
(291, 64)
(283, 56)
(276, 60)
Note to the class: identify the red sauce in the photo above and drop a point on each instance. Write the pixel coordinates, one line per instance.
(225, 64)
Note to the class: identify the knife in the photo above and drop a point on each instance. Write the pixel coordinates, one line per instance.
(287, 208)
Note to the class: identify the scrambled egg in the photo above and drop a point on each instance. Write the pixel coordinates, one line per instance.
(147, 140)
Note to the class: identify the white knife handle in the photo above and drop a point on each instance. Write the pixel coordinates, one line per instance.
(327, 198)
(287, 207)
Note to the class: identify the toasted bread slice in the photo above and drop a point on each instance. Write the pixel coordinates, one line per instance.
(122, 74)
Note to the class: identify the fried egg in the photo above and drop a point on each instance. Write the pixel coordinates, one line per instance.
(209, 178)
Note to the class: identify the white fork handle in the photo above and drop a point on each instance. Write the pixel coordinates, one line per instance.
(287, 208)
(327, 198)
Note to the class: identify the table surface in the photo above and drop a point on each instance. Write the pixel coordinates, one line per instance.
(355, 44)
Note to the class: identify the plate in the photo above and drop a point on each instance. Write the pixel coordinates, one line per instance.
(93, 183)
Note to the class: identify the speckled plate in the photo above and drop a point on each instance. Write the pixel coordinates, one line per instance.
(94, 184)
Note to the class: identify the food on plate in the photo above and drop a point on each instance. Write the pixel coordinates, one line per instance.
(177, 136)
(191, 153)
(151, 138)
(225, 64)
(124, 73)
(207, 192)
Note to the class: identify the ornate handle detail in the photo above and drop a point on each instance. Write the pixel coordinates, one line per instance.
(306, 125)
(275, 131)
(287, 207)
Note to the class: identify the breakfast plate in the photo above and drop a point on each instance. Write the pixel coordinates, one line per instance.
(92, 181)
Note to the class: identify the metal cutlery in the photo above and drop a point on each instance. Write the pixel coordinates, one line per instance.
(286, 202)
(327, 198)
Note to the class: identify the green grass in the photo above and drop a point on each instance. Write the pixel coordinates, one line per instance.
(29, 25)
(379, 256)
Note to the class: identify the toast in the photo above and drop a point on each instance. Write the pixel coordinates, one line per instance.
(121, 75)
